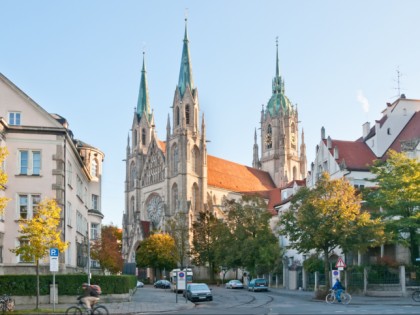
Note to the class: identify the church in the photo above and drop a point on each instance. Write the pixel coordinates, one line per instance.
(176, 174)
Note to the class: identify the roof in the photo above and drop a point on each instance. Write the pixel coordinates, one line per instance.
(355, 155)
(236, 177)
(409, 132)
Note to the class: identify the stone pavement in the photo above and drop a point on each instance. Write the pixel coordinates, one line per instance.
(150, 300)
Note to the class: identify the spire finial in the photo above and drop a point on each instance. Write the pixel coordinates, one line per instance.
(277, 56)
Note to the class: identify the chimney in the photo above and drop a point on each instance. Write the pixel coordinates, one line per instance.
(366, 129)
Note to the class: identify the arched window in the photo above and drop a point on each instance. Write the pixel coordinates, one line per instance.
(177, 116)
(132, 174)
(143, 136)
(269, 137)
(175, 159)
(195, 202)
(132, 206)
(135, 137)
(195, 160)
(175, 203)
(187, 114)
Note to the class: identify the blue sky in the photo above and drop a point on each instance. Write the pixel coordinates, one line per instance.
(82, 60)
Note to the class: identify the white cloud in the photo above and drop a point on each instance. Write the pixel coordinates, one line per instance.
(363, 101)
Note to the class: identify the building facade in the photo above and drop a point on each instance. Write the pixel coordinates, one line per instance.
(176, 174)
(46, 161)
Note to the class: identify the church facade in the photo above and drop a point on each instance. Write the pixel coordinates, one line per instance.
(176, 174)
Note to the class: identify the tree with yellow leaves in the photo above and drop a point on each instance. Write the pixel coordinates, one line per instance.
(329, 217)
(39, 234)
(3, 178)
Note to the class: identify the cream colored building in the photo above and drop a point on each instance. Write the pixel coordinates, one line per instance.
(46, 161)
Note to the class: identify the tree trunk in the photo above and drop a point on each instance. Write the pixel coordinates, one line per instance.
(414, 248)
(326, 270)
(37, 284)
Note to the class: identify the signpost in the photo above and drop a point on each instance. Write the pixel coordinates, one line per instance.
(340, 265)
(54, 268)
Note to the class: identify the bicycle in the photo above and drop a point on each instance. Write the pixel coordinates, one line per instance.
(80, 309)
(416, 295)
(7, 303)
(345, 297)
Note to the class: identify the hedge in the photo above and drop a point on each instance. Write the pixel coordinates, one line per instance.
(71, 284)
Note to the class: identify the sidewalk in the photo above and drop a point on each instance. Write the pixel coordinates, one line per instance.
(144, 300)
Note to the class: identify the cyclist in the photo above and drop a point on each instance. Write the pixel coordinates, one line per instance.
(89, 296)
(338, 288)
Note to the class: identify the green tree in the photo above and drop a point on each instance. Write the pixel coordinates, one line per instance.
(398, 195)
(107, 249)
(158, 251)
(39, 234)
(328, 217)
(3, 178)
(252, 244)
(177, 227)
(206, 241)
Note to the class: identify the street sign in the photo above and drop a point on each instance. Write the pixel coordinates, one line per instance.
(340, 264)
(54, 259)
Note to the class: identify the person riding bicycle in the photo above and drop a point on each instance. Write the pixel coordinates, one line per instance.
(89, 296)
(338, 288)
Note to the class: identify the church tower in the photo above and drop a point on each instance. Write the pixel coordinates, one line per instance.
(280, 155)
(186, 144)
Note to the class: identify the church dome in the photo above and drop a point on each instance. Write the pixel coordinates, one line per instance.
(278, 103)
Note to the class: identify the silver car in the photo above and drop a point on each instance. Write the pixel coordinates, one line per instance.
(234, 284)
(198, 292)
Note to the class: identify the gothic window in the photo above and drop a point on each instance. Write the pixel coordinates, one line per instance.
(175, 159)
(155, 210)
(174, 207)
(155, 167)
(195, 197)
(195, 154)
(135, 137)
(293, 135)
(177, 116)
(269, 137)
(143, 136)
(132, 175)
(187, 114)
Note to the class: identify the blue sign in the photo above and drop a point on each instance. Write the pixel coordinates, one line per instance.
(53, 252)
(181, 274)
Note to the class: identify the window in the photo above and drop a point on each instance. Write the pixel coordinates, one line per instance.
(79, 187)
(143, 136)
(94, 231)
(175, 159)
(20, 259)
(14, 118)
(28, 205)
(132, 175)
(69, 213)
(94, 168)
(30, 162)
(187, 114)
(95, 202)
(177, 116)
(69, 174)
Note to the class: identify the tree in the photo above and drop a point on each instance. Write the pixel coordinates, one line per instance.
(107, 249)
(207, 230)
(158, 251)
(328, 217)
(398, 194)
(177, 228)
(39, 234)
(253, 245)
(3, 178)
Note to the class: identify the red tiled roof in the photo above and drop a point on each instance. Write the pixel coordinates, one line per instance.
(356, 155)
(162, 145)
(410, 131)
(236, 177)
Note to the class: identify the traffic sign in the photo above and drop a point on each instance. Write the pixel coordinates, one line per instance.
(340, 264)
(54, 259)
(54, 252)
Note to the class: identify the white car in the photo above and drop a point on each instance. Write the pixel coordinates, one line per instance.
(234, 284)
(140, 284)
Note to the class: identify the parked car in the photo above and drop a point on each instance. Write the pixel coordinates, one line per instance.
(162, 284)
(234, 284)
(258, 284)
(198, 292)
(140, 284)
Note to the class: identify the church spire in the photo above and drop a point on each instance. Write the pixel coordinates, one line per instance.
(185, 72)
(278, 85)
(143, 105)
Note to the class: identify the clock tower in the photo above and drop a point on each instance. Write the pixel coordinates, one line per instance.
(281, 155)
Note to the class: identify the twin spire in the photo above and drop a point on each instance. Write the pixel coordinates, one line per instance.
(185, 79)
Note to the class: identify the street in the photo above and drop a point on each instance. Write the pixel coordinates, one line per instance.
(278, 301)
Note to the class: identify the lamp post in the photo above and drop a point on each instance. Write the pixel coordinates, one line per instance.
(88, 253)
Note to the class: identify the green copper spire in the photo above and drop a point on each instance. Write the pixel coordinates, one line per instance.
(185, 72)
(143, 105)
(278, 101)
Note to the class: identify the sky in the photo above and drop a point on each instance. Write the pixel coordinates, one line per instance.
(342, 61)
